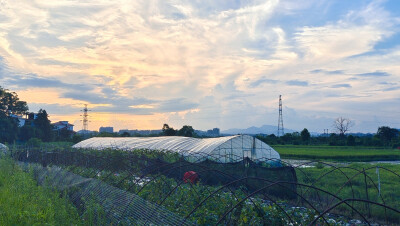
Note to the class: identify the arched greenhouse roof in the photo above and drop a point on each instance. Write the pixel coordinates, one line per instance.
(3, 147)
(222, 149)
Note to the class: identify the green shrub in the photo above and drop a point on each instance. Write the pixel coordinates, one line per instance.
(34, 142)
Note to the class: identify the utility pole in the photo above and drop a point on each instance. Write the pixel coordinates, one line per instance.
(280, 119)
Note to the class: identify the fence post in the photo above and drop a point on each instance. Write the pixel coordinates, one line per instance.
(366, 193)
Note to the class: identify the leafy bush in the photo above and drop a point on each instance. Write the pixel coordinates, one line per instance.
(34, 142)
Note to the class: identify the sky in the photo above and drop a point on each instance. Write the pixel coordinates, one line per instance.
(205, 63)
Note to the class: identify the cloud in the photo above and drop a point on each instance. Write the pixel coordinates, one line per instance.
(262, 81)
(394, 88)
(341, 86)
(334, 72)
(54, 109)
(176, 105)
(90, 97)
(35, 81)
(354, 34)
(297, 83)
(374, 74)
(215, 62)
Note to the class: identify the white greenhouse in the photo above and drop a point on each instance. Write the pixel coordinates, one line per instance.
(3, 148)
(221, 149)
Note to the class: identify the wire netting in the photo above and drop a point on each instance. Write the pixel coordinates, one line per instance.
(149, 188)
(110, 204)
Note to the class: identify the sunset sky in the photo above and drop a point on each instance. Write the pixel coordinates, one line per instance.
(205, 63)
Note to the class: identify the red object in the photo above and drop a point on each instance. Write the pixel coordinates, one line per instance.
(398, 147)
(190, 176)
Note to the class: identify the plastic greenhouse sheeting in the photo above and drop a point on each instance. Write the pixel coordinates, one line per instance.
(3, 148)
(221, 149)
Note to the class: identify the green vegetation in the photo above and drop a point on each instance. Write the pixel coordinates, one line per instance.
(337, 153)
(22, 202)
(385, 137)
(336, 182)
(123, 171)
(183, 198)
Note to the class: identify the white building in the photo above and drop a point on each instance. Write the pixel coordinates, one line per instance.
(63, 125)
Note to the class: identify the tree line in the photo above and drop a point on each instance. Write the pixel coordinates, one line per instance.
(385, 137)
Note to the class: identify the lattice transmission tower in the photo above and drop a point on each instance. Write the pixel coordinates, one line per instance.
(280, 119)
(85, 119)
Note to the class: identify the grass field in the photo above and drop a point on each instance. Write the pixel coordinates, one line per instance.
(336, 182)
(337, 153)
(22, 202)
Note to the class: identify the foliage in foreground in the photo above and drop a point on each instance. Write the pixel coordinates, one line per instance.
(212, 202)
(378, 184)
(22, 202)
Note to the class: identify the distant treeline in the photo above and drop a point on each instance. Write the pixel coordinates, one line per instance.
(385, 136)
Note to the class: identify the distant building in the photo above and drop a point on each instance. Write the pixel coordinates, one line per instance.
(63, 125)
(108, 129)
(140, 132)
(87, 132)
(213, 132)
(26, 119)
(21, 120)
(209, 133)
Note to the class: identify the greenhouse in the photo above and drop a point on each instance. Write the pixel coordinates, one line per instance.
(221, 149)
(3, 148)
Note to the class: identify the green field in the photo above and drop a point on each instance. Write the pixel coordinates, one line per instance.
(337, 153)
(360, 186)
(22, 202)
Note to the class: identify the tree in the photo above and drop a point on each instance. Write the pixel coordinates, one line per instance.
(386, 134)
(27, 132)
(351, 140)
(8, 129)
(342, 125)
(43, 124)
(186, 131)
(305, 135)
(168, 131)
(76, 138)
(64, 134)
(125, 134)
(10, 103)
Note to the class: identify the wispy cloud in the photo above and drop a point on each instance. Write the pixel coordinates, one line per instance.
(374, 74)
(341, 86)
(209, 61)
(262, 81)
(297, 83)
(334, 72)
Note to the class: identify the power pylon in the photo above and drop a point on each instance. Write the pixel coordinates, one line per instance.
(85, 119)
(280, 119)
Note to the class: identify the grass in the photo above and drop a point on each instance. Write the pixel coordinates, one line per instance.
(22, 202)
(337, 153)
(336, 182)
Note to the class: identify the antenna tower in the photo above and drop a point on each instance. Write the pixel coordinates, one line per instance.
(85, 119)
(280, 120)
